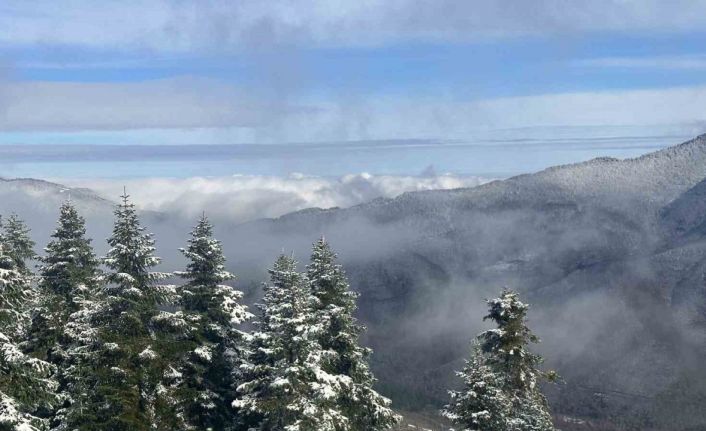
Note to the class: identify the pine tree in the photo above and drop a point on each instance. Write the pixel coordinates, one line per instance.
(68, 273)
(501, 380)
(18, 244)
(334, 307)
(285, 387)
(77, 375)
(483, 404)
(210, 365)
(27, 384)
(122, 349)
(69, 277)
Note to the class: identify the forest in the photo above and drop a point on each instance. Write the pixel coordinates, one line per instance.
(91, 343)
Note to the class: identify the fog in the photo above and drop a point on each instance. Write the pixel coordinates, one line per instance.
(614, 286)
(240, 198)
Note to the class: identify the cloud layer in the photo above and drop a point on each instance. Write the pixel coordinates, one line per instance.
(200, 103)
(282, 71)
(677, 62)
(166, 25)
(240, 198)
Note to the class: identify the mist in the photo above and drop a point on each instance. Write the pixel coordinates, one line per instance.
(608, 271)
(241, 198)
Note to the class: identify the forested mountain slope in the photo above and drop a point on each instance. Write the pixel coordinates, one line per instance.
(611, 254)
(592, 245)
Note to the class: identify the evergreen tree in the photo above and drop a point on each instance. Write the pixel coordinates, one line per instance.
(285, 387)
(334, 307)
(210, 365)
(483, 404)
(17, 242)
(27, 385)
(501, 380)
(123, 349)
(77, 375)
(68, 274)
(69, 277)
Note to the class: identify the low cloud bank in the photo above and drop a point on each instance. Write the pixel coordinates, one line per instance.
(240, 198)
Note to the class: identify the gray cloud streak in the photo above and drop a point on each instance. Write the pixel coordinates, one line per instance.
(177, 26)
(197, 103)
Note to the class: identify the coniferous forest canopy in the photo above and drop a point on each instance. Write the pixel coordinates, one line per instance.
(92, 343)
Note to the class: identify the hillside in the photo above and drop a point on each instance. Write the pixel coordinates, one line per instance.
(586, 243)
(609, 252)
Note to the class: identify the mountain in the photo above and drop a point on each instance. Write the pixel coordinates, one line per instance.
(594, 246)
(611, 254)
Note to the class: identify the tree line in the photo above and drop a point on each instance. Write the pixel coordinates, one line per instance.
(90, 343)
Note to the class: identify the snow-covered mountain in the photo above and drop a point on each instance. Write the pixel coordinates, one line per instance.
(611, 253)
(590, 244)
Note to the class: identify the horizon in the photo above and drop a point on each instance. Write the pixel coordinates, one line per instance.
(231, 198)
(273, 78)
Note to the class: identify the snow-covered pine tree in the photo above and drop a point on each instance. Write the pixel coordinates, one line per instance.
(27, 386)
(17, 242)
(483, 404)
(216, 348)
(69, 278)
(77, 372)
(334, 306)
(501, 380)
(125, 357)
(284, 386)
(68, 273)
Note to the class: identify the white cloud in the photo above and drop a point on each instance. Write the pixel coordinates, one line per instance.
(241, 197)
(193, 103)
(389, 118)
(167, 25)
(169, 103)
(683, 62)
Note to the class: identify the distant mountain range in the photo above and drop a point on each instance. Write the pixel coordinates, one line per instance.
(611, 253)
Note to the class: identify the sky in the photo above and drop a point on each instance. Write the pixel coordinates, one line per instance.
(342, 87)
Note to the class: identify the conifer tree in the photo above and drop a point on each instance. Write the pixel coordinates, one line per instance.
(334, 306)
(483, 405)
(210, 365)
(17, 242)
(27, 385)
(123, 345)
(77, 373)
(285, 387)
(501, 380)
(68, 274)
(69, 277)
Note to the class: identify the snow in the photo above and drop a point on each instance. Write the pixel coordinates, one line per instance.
(148, 354)
(204, 352)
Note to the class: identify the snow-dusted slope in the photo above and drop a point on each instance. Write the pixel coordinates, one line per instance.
(661, 175)
(577, 240)
(38, 202)
(686, 216)
(49, 192)
(592, 245)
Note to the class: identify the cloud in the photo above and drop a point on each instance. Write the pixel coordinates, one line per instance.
(188, 103)
(168, 103)
(405, 118)
(244, 197)
(680, 62)
(164, 25)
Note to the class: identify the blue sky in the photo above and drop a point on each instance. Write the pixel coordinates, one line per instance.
(249, 72)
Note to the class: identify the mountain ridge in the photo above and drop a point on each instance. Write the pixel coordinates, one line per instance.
(565, 237)
(597, 247)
